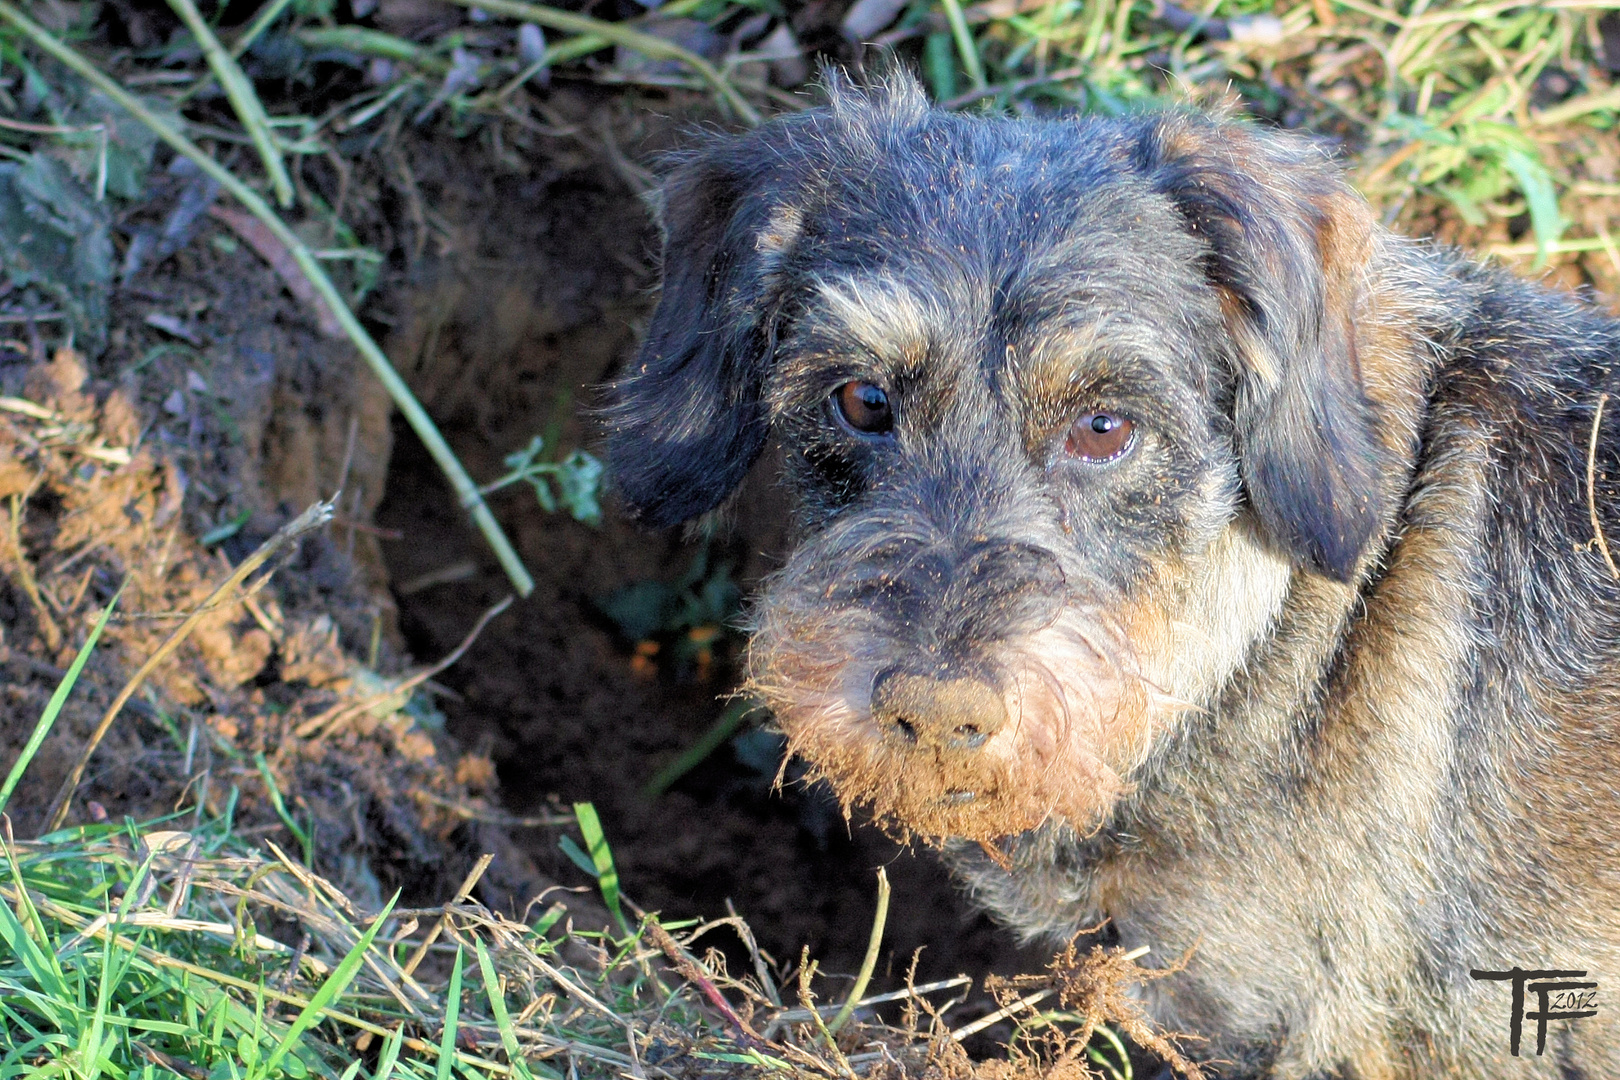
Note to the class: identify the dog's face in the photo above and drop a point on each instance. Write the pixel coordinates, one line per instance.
(1066, 405)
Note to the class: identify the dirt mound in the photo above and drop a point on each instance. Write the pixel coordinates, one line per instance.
(158, 477)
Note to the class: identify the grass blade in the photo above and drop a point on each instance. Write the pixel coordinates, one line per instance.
(497, 1008)
(95, 1046)
(607, 876)
(53, 708)
(389, 1055)
(964, 42)
(37, 961)
(281, 807)
(868, 965)
(706, 744)
(452, 1017)
(261, 22)
(1540, 197)
(334, 985)
(249, 109)
(25, 933)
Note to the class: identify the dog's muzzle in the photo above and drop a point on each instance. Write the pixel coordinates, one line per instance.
(956, 690)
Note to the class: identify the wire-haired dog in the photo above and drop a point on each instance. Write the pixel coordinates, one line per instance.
(1223, 561)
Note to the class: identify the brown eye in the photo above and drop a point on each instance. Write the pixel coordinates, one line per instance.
(1099, 436)
(864, 407)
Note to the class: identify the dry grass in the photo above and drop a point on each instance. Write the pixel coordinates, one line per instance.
(194, 953)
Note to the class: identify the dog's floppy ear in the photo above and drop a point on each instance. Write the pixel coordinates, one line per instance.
(686, 422)
(1289, 246)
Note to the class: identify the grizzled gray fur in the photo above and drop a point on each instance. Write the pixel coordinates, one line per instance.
(1176, 546)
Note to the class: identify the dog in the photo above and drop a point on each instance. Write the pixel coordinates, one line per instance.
(1176, 546)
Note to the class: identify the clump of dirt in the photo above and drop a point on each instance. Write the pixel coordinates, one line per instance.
(216, 414)
(1098, 986)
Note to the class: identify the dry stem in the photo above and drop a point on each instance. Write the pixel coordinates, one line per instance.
(1591, 487)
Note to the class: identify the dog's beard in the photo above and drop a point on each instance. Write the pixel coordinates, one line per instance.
(1079, 718)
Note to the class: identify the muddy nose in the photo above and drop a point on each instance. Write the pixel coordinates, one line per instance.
(946, 714)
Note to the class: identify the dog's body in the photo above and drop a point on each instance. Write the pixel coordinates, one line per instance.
(1223, 562)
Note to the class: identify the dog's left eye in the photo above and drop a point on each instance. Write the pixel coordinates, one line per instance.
(1099, 436)
(864, 407)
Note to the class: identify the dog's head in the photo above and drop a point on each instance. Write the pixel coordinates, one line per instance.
(1066, 404)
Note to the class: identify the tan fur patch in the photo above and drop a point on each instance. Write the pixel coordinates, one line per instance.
(772, 243)
(882, 313)
(1217, 608)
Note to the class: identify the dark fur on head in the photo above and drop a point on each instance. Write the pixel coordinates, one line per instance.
(1314, 669)
(689, 420)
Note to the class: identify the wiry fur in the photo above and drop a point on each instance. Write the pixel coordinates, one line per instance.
(1321, 679)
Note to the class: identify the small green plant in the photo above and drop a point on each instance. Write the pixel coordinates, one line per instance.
(678, 624)
(573, 484)
(1485, 168)
(596, 859)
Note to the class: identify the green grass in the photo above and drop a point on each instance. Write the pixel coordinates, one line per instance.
(146, 951)
(137, 953)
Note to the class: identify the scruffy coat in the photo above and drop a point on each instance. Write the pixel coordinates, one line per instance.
(1319, 678)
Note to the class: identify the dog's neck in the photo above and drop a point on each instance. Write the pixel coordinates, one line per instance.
(1243, 603)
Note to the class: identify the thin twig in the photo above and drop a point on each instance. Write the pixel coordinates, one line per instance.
(795, 1015)
(330, 719)
(312, 518)
(466, 491)
(807, 971)
(1011, 1009)
(1591, 487)
(869, 964)
(468, 884)
(693, 973)
(761, 971)
(491, 817)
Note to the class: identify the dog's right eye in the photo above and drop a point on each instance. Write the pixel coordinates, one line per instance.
(864, 407)
(1099, 437)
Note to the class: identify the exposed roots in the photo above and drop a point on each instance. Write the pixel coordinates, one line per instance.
(1097, 987)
